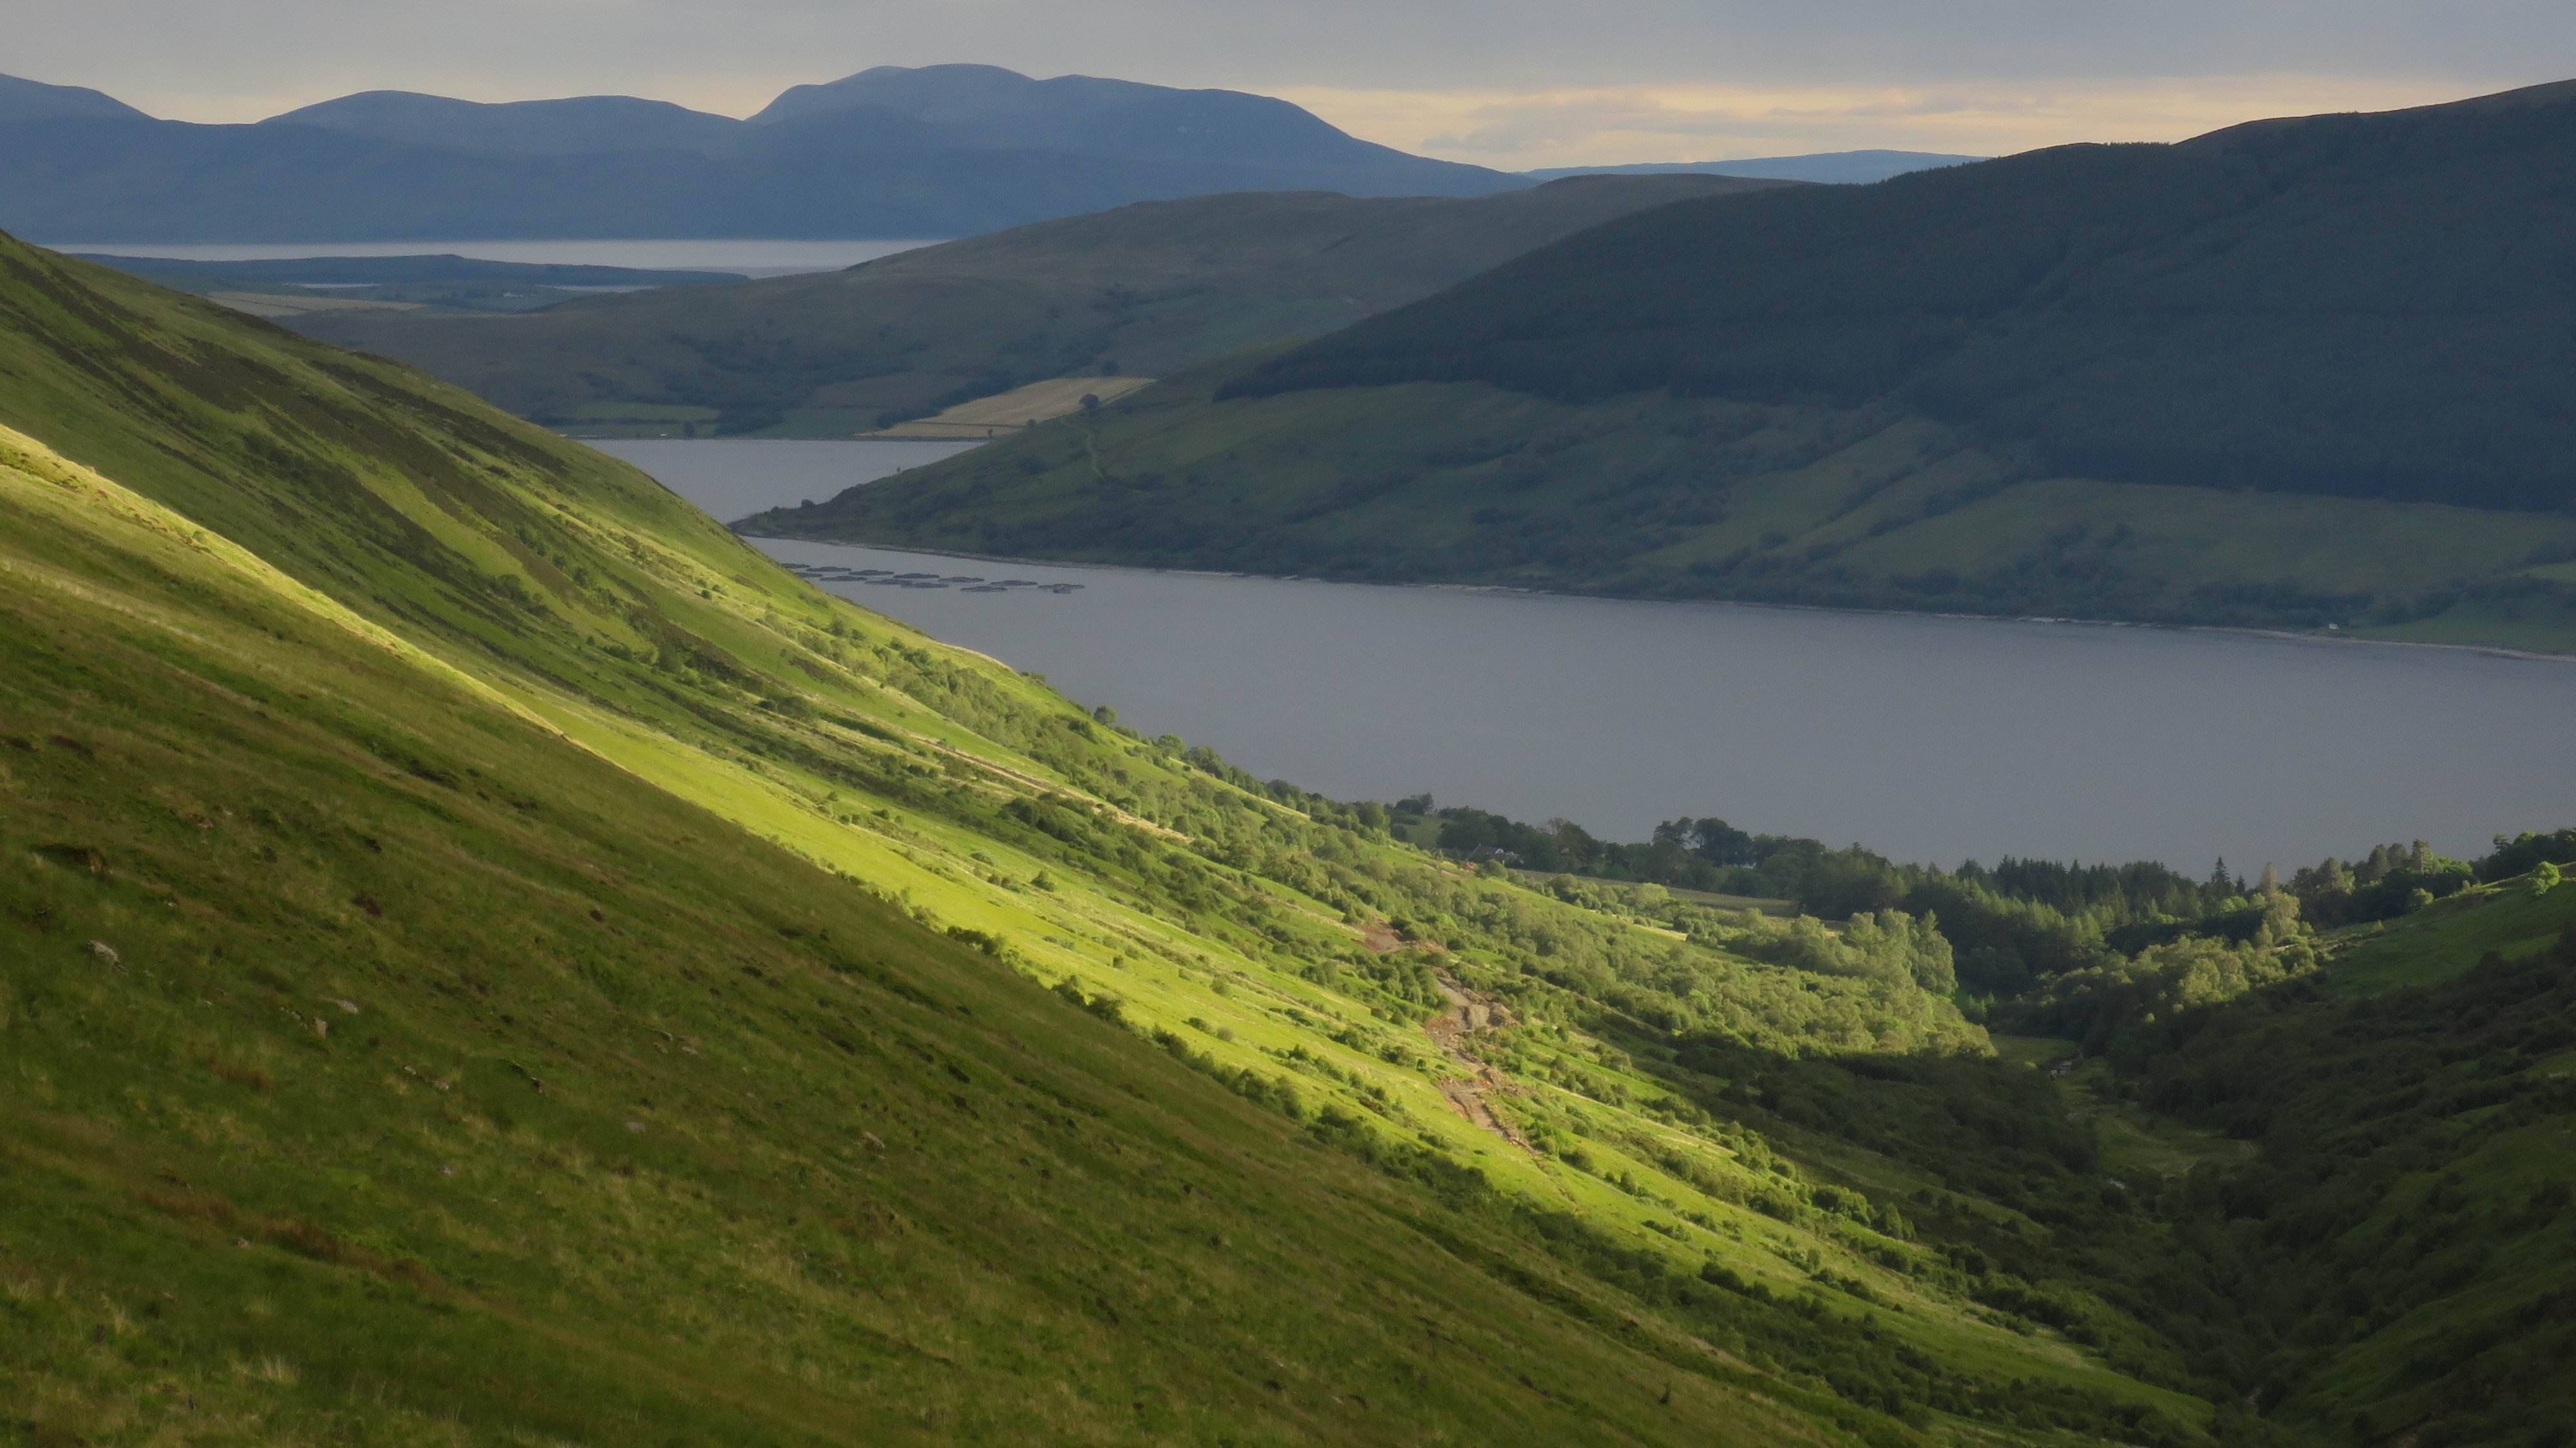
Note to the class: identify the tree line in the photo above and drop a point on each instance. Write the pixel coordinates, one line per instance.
(2013, 926)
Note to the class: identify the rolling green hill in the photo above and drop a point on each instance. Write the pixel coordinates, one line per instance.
(1141, 290)
(486, 957)
(2294, 374)
(488, 954)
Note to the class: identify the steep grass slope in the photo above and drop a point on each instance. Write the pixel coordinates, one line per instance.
(383, 1067)
(490, 956)
(2290, 375)
(1140, 290)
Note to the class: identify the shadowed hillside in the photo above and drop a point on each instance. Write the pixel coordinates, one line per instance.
(1851, 168)
(1139, 291)
(2297, 373)
(2362, 306)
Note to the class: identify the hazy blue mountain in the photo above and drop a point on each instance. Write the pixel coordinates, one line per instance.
(945, 93)
(935, 152)
(987, 106)
(1851, 168)
(27, 100)
(576, 125)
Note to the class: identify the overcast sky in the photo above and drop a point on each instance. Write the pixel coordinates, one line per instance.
(1511, 83)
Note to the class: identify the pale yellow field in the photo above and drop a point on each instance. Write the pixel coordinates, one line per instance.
(274, 305)
(1020, 407)
(266, 304)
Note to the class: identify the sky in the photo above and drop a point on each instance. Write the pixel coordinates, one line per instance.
(1516, 84)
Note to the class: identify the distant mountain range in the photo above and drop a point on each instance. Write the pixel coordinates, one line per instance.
(1851, 168)
(937, 151)
(29, 100)
(946, 150)
(2302, 373)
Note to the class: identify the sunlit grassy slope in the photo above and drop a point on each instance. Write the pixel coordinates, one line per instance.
(488, 957)
(382, 1067)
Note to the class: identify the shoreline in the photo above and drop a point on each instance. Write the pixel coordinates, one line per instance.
(2281, 635)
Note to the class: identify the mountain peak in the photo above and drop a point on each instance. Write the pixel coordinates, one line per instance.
(984, 107)
(889, 152)
(34, 100)
(574, 124)
(915, 90)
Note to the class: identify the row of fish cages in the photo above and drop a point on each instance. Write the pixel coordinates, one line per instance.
(888, 578)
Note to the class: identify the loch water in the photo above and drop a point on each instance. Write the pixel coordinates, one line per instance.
(1927, 738)
(748, 258)
(737, 477)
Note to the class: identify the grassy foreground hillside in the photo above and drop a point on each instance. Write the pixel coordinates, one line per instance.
(1140, 290)
(490, 957)
(384, 1068)
(486, 957)
(2293, 375)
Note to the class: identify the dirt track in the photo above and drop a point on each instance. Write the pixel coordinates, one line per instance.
(1453, 1032)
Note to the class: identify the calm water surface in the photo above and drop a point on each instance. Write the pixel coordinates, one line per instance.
(1926, 738)
(737, 477)
(750, 258)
